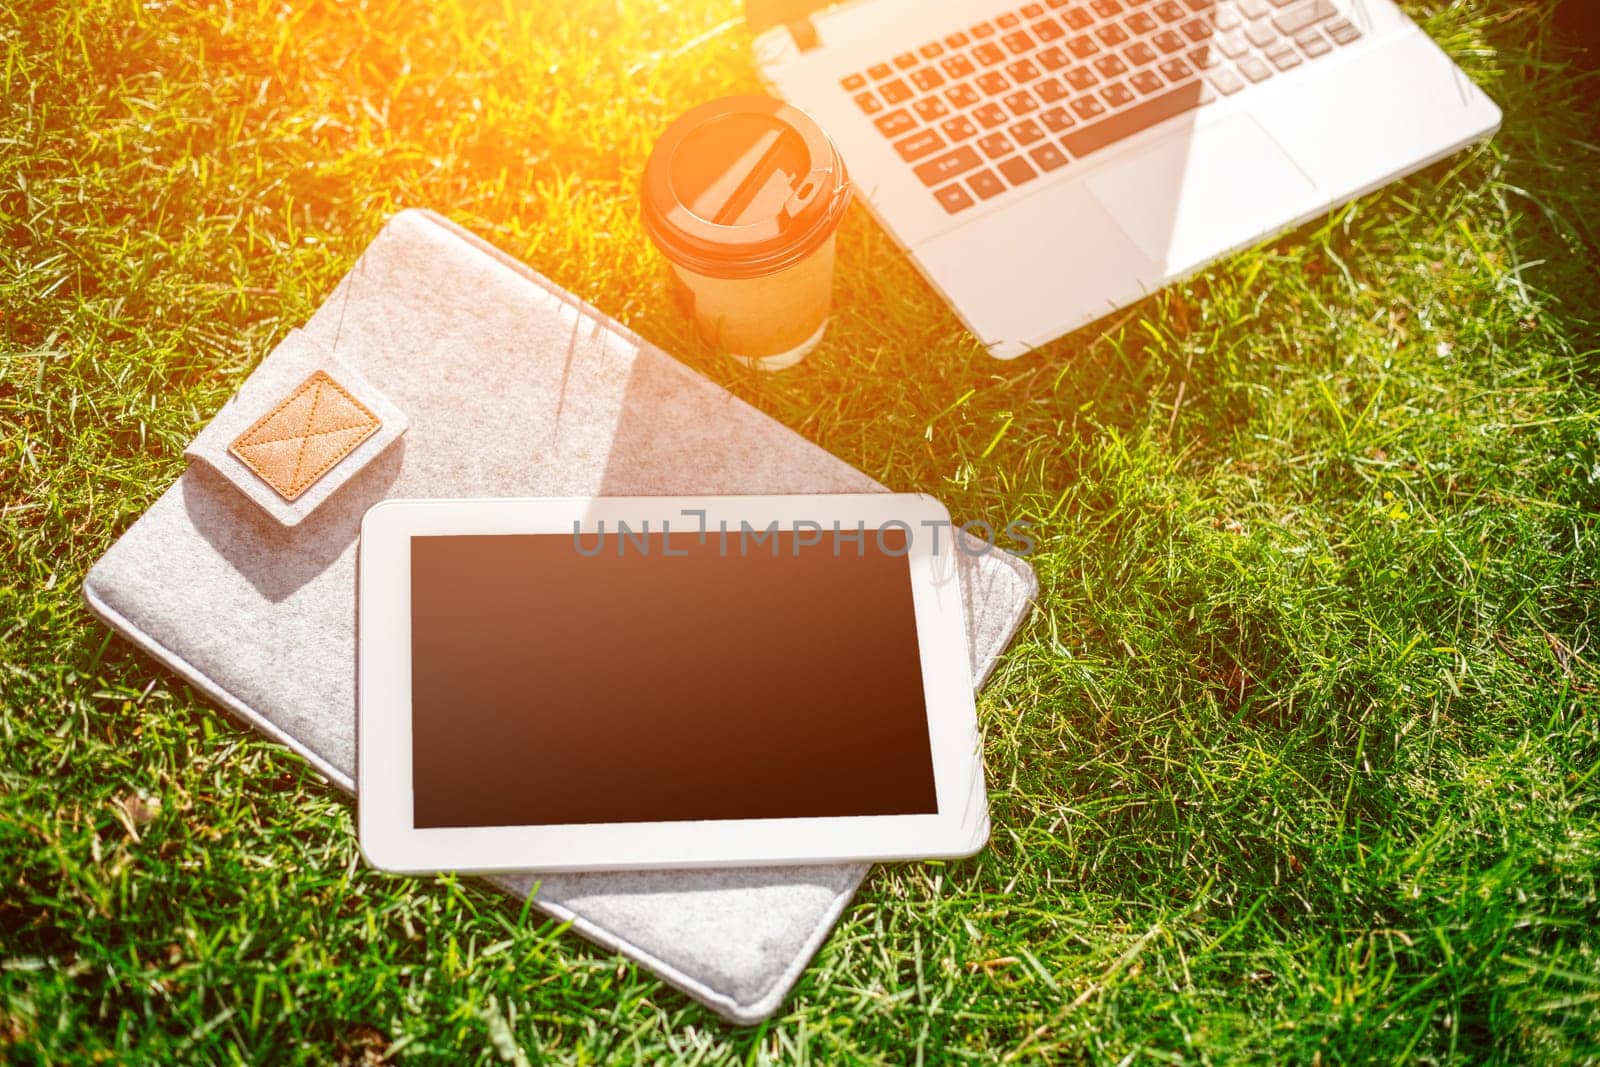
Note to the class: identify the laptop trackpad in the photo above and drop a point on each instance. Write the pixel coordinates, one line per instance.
(1203, 192)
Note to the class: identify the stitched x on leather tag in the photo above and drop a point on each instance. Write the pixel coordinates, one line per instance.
(305, 435)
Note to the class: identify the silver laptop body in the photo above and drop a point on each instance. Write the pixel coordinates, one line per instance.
(1047, 163)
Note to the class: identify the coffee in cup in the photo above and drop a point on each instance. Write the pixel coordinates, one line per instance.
(743, 196)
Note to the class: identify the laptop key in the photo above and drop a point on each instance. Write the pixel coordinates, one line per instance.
(905, 61)
(1284, 57)
(1022, 71)
(919, 145)
(992, 82)
(1261, 34)
(1077, 19)
(1147, 82)
(1081, 78)
(1106, 8)
(869, 102)
(854, 83)
(957, 40)
(1168, 42)
(991, 115)
(1108, 66)
(1251, 9)
(1197, 29)
(1050, 90)
(1205, 57)
(931, 108)
(958, 129)
(1047, 157)
(989, 54)
(927, 79)
(1226, 80)
(954, 198)
(1170, 11)
(957, 66)
(941, 169)
(896, 91)
(880, 71)
(1140, 22)
(1111, 35)
(895, 123)
(1233, 46)
(1021, 103)
(1175, 69)
(1313, 44)
(995, 145)
(1057, 119)
(1007, 22)
(1018, 42)
(1343, 32)
(1052, 58)
(986, 184)
(962, 96)
(1252, 67)
(1027, 132)
(1295, 19)
(1017, 170)
(1088, 107)
(1032, 11)
(1125, 123)
(1048, 30)
(1117, 95)
(983, 29)
(1138, 53)
(1082, 47)
(931, 51)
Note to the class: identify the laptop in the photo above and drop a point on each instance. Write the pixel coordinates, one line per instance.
(1047, 163)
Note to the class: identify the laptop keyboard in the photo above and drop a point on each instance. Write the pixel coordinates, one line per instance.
(990, 108)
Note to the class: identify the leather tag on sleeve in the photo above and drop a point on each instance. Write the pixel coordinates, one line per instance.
(305, 435)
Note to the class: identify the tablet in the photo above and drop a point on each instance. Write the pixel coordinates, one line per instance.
(620, 683)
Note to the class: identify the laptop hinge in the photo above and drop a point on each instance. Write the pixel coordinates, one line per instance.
(793, 15)
(804, 33)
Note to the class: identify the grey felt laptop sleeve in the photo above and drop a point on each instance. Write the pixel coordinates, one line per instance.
(511, 387)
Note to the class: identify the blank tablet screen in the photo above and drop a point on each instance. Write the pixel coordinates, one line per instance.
(551, 686)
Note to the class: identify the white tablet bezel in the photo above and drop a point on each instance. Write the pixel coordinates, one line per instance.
(390, 840)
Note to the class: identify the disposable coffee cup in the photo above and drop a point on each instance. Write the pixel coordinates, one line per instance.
(743, 196)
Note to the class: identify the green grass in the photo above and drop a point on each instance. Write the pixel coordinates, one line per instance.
(1298, 761)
